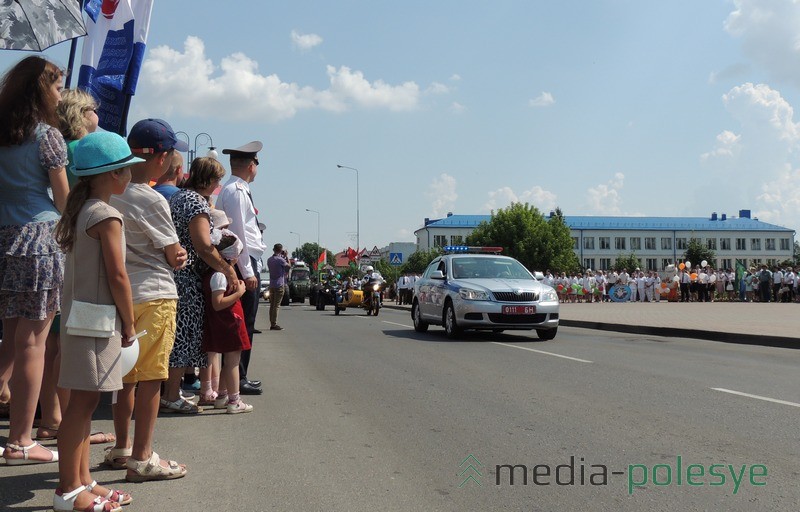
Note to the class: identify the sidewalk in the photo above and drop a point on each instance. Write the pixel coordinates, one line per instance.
(770, 324)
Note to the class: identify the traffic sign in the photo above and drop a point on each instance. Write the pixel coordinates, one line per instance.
(375, 253)
(395, 258)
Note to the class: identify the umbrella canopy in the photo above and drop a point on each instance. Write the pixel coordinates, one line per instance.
(36, 25)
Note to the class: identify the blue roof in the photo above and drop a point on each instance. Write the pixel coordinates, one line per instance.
(629, 223)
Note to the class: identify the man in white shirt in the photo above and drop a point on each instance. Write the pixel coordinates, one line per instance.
(777, 281)
(237, 202)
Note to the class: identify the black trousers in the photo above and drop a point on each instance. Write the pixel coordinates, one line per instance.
(250, 307)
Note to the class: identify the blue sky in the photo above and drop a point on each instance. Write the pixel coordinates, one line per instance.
(608, 107)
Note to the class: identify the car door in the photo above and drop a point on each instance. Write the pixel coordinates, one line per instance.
(423, 288)
(439, 290)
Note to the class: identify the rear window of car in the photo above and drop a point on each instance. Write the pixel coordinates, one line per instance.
(488, 268)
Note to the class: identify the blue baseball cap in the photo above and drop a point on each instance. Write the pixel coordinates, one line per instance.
(101, 152)
(154, 136)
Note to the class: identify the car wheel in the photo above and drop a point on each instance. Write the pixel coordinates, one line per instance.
(285, 301)
(320, 306)
(419, 324)
(547, 334)
(451, 328)
(336, 310)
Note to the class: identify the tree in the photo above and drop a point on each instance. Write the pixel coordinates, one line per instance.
(696, 252)
(525, 234)
(309, 253)
(419, 261)
(629, 262)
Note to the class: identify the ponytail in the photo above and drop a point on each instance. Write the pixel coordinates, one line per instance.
(65, 229)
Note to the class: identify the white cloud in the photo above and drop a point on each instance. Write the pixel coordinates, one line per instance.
(457, 107)
(189, 83)
(455, 77)
(543, 100)
(305, 42)
(605, 199)
(542, 199)
(765, 155)
(437, 88)
(442, 193)
(769, 33)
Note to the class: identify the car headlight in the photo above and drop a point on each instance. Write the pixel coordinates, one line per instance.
(549, 296)
(468, 294)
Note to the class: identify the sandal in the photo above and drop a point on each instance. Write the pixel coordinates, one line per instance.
(207, 400)
(121, 497)
(65, 502)
(45, 434)
(180, 406)
(116, 458)
(151, 469)
(11, 447)
(102, 438)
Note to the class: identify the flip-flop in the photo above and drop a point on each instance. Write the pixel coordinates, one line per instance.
(52, 433)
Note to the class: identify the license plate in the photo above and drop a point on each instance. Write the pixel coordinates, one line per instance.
(519, 310)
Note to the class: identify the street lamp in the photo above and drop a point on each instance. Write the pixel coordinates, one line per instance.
(212, 152)
(298, 238)
(358, 222)
(318, 247)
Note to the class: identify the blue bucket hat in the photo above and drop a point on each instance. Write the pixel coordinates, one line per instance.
(101, 152)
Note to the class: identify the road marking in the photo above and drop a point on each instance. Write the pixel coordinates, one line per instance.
(758, 397)
(541, 352)
(401, 325)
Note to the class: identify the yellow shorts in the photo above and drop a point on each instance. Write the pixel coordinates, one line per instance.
(158, 318)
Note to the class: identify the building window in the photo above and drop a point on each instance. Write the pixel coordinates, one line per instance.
(636, 243)
(666, 244)
(666, 262)
(575, 243)
(650, 243)
(588, 243)
(439, 240)
(740, 244)
(785, 244)
(755, 244)
(725, 244)
(588, 263)
(680, 244)
(619, 243)
(605, 263)
(605, 242)
(769, 244)
(756, 262)
(726, 263)
(457, 240)
(652, 264)
(772, 262)
(711, 243)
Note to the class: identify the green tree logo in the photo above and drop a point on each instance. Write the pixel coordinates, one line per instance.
(470, 471)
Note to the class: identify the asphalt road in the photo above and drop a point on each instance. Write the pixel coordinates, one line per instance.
(362, 413)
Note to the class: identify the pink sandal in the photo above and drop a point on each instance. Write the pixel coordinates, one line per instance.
(121, 497)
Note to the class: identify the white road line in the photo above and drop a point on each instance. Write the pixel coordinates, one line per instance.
(758, 397)
(401, 325)
(541, 352)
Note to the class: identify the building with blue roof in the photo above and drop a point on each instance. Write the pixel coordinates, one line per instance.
(656, 241)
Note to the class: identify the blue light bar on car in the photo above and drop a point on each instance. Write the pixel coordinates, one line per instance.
(472, 249)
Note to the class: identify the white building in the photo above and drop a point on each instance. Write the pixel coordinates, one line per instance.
(656, 241)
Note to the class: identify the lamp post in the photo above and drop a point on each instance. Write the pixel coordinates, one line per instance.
(358, 222)
(318, 247)
(212, 152)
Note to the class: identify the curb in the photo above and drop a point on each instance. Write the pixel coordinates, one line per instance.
(674, 332)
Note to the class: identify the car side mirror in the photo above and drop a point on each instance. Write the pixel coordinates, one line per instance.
(437, 274)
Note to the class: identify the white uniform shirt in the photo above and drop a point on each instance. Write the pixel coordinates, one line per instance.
(235, 201)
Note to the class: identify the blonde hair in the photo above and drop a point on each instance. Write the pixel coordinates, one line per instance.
(175, 162)
(74, 103)
(65, 229)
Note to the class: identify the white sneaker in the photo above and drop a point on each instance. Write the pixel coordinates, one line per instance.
(221, 402)
(238, 407)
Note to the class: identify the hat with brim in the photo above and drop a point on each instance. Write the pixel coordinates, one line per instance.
(219, 219)
(249, 150)
(101, 152)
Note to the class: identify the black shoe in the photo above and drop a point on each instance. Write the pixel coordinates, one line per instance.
(276, 327)
(254, 383)
(256, 331)
(248, 389)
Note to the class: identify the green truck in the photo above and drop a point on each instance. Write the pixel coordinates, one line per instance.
(299, 282)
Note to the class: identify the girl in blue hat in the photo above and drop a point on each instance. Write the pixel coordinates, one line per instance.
(91, 234)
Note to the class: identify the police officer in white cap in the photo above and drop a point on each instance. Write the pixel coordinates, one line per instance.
(237, 202)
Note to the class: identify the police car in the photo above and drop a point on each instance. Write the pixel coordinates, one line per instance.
(477, 288)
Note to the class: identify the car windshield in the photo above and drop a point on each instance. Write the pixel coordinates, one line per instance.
(489, 268)
(300, 275)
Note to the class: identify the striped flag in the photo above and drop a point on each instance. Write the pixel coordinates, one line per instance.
(113, 52)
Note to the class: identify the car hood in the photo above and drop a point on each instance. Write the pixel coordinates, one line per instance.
(503, 285)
